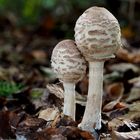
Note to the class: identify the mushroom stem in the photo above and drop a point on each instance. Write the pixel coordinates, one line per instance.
(92, 115)
(69, 99)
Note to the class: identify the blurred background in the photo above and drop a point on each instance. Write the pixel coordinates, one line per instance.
(29, 25)
(29, 30)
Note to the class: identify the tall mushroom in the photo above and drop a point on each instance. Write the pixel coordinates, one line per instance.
(98, 37)
(70, 67)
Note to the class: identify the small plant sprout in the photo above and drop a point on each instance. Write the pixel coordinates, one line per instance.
(98, 37)
(70, 67)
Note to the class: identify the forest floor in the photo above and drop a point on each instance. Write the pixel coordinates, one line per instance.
(31, 98)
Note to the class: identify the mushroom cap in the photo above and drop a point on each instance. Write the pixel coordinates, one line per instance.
(67, 62)
(97, 34)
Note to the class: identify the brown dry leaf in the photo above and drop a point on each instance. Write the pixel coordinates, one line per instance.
(115, 123)
(49, 114)
(30, 125)
(132, 115)
(110, 106)
(120, 105)
(59, 92)
(53, 97)
(46, 134)
(86, 135)
(114, 105)
(56, 90)
(117, 112)
(133, 135)
(61, 133)
(115, 91)
(131, 57)
(64, 120)
(121, 125)
(75, 133)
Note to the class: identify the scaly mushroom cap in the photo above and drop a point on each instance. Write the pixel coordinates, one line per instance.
(67, 61)
(97, 34)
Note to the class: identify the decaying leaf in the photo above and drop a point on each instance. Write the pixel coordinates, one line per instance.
(49, 114)
(132, 57)
(133, 135)
(59, 92)
(75, 133)
(115, 91)
(56, 90)
(131, 117)
(30, 125)
(114, 105)
(64, 120)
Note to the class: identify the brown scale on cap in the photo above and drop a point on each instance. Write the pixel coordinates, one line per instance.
(97, 34)
(67, 61)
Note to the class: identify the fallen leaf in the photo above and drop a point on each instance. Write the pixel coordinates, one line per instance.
(133, 135)
(110, 106)
(64, 120)
(49, 114)
(120, 105)
(56, 90)
(75, 133)
(114, 91)
(130, 114)
(59, 92)
(46, 134)
(131, 57)
(30, 125)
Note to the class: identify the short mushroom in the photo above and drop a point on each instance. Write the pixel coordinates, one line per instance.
(98, 37)
(70, 67)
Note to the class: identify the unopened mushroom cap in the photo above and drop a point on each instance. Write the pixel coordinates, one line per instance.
(97, 34)
(67, 61)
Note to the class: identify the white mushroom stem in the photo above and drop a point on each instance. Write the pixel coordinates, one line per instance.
(92, 115)
(69, 99)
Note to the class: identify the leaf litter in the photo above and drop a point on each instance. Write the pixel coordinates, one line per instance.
(34, 111)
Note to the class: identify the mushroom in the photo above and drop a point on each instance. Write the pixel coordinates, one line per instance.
(98, 37)
(70, 67)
